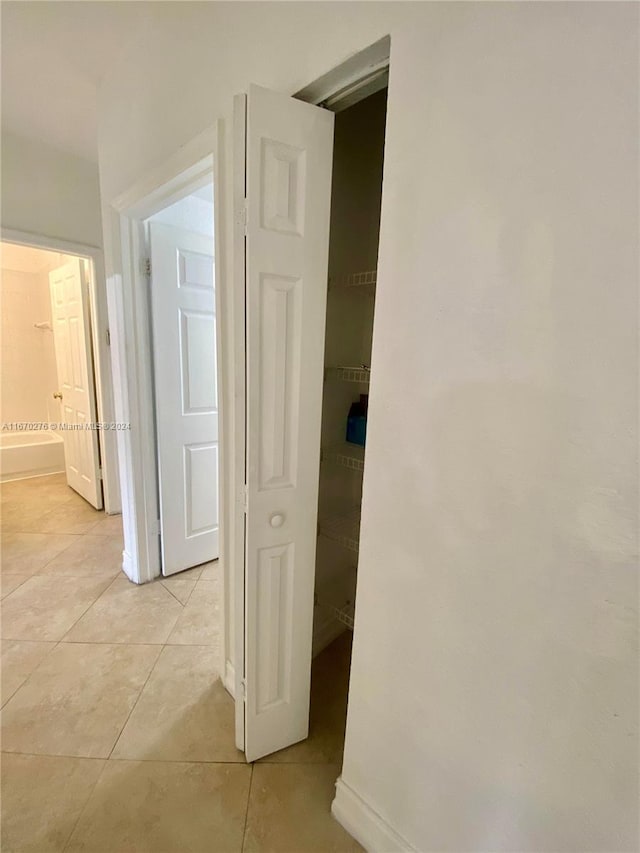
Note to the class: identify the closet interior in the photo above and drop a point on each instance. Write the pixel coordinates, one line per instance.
(353, 251)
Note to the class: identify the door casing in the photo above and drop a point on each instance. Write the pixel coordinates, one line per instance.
(192, 167)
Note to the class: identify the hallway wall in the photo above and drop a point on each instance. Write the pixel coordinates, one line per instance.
(49, 192)
(494, 692)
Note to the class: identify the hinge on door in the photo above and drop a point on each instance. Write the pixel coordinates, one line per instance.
(108, 338)
(245, 498)
(243, 689)
(100, 474)
(245, 215)
(146, 266)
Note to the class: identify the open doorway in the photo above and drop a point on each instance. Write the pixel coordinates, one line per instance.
(358, 153)
(49, 388)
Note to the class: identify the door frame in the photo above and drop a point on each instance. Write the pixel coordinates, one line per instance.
(196, 164)
(102, 376)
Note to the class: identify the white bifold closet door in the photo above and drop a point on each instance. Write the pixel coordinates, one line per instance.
(289, 148)
(74, 362)
(184, 355)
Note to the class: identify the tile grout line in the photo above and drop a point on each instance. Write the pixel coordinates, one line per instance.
(60, 552)
(86, 610)
(54, 532)
(246, 814)
(39, 570)
(175, 596)
(135, 704)
(56, 643)
(190, 596)
(86, 804)
(9, 594)
(238, 763)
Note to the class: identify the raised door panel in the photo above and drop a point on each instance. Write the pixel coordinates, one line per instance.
(198, 348)
(201, 466)
(279, 395)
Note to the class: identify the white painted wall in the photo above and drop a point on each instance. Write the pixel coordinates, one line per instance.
(28, 368)
(28, 372)
(494, 697)
(48, 192)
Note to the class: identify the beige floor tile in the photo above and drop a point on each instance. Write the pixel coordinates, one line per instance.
(19, 659)
(328, 710)
(27, 553)
(89, 555)
(46, 479)
(199, 621)
(76, 500)
(10, 582)
(290, 810)
(181, 589)
(78, 700)
(108, 525)
(188, 574)
(211, 571)
(42, 798)
(36, 490)
(128, 613)
(68, 518)
(46, 606)
(22, 518)
(157, 807)
(184, 713)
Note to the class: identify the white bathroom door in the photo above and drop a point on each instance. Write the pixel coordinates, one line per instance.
(74, 361)
(289, 148)
(184, 355)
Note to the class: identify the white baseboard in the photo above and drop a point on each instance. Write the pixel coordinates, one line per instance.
(229, 679)
(365, 824)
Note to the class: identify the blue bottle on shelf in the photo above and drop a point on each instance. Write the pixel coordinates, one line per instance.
(357, 421)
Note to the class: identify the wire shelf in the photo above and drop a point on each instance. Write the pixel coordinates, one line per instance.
(347, 455)
(355, 279)
(345, 614)
(343, 529)
(350, 374)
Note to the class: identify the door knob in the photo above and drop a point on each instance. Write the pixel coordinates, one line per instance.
(277, 519)
(57, 395)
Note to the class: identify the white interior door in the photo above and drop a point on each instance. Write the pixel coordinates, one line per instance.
(72, 338)
(184, 348)
(289, 158)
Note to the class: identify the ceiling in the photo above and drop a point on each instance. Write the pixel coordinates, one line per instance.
(54, 55)
(205, 193)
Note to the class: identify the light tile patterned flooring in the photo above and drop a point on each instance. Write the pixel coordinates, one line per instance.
(117, 734)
